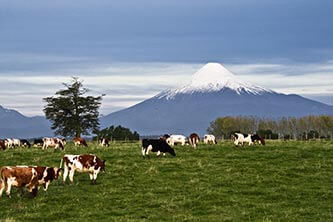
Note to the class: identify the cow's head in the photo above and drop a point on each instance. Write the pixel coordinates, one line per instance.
(101, 165)
(169, 149)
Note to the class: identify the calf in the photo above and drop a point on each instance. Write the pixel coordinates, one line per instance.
(82, 163)
(25, 143)
(78, 141)
(19, 177)
(104, 142)
(46, 175)
(156, 145)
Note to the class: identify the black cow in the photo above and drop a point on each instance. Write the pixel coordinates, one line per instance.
(38, 142)
(25, 143)
(156, 145)
(257, 139)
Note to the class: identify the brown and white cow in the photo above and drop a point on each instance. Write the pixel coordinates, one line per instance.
(46, 175)
(78, 141)
(82, 163)
(19, 176)
(53, 142)
(104, 142)
(194, 139)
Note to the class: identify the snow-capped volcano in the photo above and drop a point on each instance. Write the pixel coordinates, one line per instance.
(212, 92)
(214, 77)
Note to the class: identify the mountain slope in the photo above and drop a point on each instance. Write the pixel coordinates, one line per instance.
(14, 124)
(213, 92)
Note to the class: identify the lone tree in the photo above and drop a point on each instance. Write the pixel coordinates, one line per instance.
(71, 113)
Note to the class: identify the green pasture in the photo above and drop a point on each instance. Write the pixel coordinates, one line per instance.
(282, 181)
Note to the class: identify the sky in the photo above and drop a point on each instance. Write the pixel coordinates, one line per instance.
(131, 50)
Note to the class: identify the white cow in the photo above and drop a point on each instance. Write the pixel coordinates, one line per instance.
(175, 139)
(209, 139)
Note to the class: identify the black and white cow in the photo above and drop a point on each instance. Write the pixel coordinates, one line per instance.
(104, 142)
(38, 142)
(156, 145)
(25, 143)
(240, 139)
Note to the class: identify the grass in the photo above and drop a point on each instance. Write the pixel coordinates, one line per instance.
(282, 181)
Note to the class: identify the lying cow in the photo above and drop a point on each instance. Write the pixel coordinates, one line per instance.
(25, 143)
(52, 142)
(19, 177)
(82, 163)
(209, 139)
(176, 139)
(78, 141)
(194, 139)
(156, 145)
(104, 142)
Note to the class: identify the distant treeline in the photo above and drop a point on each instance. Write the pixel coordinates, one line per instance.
(303, 128)
(117, 133)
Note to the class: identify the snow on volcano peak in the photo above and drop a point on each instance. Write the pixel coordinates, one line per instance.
(213, 77)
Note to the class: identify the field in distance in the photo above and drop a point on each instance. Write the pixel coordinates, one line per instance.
(282, 181)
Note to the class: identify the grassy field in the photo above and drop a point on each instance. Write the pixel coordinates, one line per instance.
(282, 181)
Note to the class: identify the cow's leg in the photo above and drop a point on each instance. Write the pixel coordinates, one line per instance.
(71, 175)
(158, 153)
(149, 148)
(65, 173)
(143, 151)
(9, 186)
(46, 185)
(91, 175)
(2, 187)
(95, 176)
(163, 154)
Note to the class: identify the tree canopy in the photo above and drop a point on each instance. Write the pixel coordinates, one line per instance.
(117, 133)
(70, 112)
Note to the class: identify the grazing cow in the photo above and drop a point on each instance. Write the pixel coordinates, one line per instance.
(176, 139)
(2, 145)
(52, 142)
(209, 139)
(38, 142)
(194, 139)
(46, 175)
(82, 163)
(19, 177)
(9, 143)
(240, 138)
(78, 141)
(104, 142)
(25, 143)
(257, 139)
(156, 145)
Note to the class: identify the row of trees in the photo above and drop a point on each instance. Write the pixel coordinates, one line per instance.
(307, 127)
(117, 133)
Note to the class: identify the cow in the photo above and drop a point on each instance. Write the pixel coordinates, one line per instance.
(156, 145)
(104, 142)
(78, 141)
(165, 136)
(46, 175)
(16, 143)
(258, 139)
(38, 142)
(82, 163)
(209, 139)
(250, 139)
(194, 139)
(2, 145)
(9, 143)
(176, 139)
(52, 142)
(19, 177)
(25, 143)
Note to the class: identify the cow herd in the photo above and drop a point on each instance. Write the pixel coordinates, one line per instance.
(32, 177)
